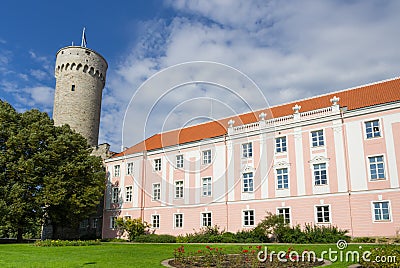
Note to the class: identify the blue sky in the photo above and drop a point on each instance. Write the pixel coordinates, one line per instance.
(291, 49)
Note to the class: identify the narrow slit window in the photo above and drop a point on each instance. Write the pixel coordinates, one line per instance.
(73, 88)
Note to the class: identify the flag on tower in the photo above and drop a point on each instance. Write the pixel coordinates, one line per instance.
(83, 43)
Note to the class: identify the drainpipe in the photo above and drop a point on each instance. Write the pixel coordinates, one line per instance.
(347, 165)
(226, 185)
(142, 192)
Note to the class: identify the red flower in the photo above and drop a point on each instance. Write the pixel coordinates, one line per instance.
(199, 251)
(208, 247)
(245, 251)
(258, 247)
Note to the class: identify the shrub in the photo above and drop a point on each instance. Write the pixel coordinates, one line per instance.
(63, 243)
(134, 227)
(154, 238)
(363, 239)
(383, 256)
(113, 240)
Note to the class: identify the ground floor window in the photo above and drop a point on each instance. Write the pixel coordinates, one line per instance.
(248, 218)
(323, 214)
(206, 219)
(155, 219)
(381, 211)
(285, 213)
(113, 223)
(178, 220)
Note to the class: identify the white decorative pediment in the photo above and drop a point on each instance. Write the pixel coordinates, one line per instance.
(247, 169)
(319, 159)
(281, 164)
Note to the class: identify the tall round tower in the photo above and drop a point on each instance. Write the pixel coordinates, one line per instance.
(80, 78)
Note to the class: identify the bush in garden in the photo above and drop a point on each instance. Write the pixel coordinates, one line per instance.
(383, 256)
(63, 243)
(134, 227)
(154, 238)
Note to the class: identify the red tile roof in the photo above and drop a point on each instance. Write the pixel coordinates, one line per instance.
(354, 98)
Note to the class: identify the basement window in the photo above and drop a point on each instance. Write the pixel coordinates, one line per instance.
(73, 88)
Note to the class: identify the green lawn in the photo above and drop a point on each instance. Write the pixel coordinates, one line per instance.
(122, 254)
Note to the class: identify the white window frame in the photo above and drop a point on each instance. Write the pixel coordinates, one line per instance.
(95, 223)
(375, 163)
(249, 186)
(155, 218)
(280, 177)
(179, 161)
(247, 150)
(179, 189)
(206, 188)
(373, 211)
(113, 224)
(129, 168)
(374, 135)
(279, 145)
(244, 217)
(115, 191)
(208, 218)
(287, 220)
(206, 157)
(127, 217)
(157, 164)
(316, 214)
(175, 220)
(320, 176)
(156, 195)
(117, 170)
(128, 193)
(318, 139)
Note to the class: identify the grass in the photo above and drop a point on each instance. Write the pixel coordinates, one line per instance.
(125, 254)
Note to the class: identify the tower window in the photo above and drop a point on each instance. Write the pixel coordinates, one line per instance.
(73, 88)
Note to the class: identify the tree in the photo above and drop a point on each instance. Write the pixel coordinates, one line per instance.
(45, 171)
(134, 227)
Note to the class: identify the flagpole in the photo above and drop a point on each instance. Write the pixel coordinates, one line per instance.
(83, 43)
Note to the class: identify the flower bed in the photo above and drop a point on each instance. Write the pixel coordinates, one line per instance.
(247, 257)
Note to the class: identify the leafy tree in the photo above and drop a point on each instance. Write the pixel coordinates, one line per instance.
(44, 171)
(134, 227)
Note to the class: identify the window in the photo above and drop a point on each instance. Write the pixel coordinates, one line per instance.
(247, 150)
(129, 169)
(282, 178)
(95, 223)
(113, 223)
(178, 220)
(73, 88)
(156, 191)
(128, 194)
(206, 186)
(206, 219)
(317, 138)
(115, 195)
(381, 211)
(157, 164)
(285, 213)
(117, 170)
(179, 161)
(179, 189)
(372, 129)
(280, 145)
(84, 224)
(248, 218)
(207, 157)
(320, 177)
(127, 217)
(248, 182)
(376, 168)
(323, 215)
(155, 219)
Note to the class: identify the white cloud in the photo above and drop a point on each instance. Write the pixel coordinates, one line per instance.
(291, 49)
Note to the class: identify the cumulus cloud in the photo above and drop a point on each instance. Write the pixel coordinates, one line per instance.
(291, 49)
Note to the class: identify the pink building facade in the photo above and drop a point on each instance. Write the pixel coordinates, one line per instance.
(332, 159)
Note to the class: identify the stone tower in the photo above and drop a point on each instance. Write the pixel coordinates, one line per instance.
(80, 78)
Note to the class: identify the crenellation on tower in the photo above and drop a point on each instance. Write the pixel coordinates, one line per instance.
(80, 75)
